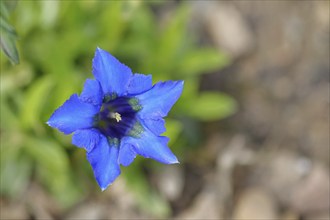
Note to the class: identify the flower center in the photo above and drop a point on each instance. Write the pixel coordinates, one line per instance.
(115, 115)
(117, 118)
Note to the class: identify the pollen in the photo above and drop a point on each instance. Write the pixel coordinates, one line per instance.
(115, 116)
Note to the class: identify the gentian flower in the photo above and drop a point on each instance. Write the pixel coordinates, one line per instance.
(118, 116)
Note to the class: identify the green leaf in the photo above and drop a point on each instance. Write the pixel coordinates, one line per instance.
(7, 40)
(34, 101)
(173, 129)
(15, 170)
(49, 13)
(173, 40)
(6, 6)
(210, 106)
(9, 120)
(203, 60)
(53, 170)
(4, 10)
(114, 18)
(9, 78)
(15, 176)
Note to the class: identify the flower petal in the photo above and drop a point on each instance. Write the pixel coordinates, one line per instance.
(92, 92)
(139, 83)
(86, 138)
(112, 75)
(126, 154)
(73, 115)
(104, 161)
(157, 101)
(157, 126)
(152, 146)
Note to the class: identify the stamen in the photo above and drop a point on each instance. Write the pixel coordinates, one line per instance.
(115, 115)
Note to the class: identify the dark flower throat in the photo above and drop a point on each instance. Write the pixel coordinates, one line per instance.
(117, 118)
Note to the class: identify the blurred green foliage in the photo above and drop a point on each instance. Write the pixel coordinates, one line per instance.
(7, 34)
(57, 40)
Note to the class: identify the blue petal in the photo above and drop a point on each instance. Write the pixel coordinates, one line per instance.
(104, 161)
(86, 138)
(92, 92)
(152, 146)
(158, 101)
(112, 75)
(126, 154)
(157, 126)
(73, 115)
(139, 83)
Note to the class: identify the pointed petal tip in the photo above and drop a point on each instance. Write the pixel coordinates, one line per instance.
(72, 115)
(112, 75)
(175, 161)
(103, 160)
(104, 188)
(172, 159)
(180, 83)
(169, 162)
(50, 122)
(98, 51)
(108, 185)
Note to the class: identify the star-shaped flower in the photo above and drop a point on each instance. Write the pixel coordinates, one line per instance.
(117, 116)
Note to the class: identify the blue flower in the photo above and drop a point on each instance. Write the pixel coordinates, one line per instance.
(118, 116)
